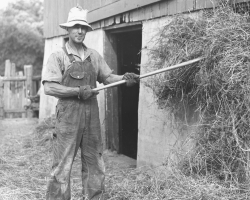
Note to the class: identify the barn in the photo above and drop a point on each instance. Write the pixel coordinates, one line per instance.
(132, 123)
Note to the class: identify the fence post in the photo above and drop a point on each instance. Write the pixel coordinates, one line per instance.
(7, 91)
(28, 69)
(12, 97)
(21, 90)
(1, 99)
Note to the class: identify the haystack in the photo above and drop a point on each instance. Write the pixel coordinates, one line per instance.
(218, 87)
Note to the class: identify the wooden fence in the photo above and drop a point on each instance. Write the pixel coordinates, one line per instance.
(16, 88)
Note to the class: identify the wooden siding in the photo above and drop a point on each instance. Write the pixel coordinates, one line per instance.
(92, 5)
(103, 13)
(56, 11)
(152, 11)
(116, 8)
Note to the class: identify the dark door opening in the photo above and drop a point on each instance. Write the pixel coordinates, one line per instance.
(129, 59)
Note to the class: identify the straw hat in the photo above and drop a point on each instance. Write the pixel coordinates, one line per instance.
(77, 15)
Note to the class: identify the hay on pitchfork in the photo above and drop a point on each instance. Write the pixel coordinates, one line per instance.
(218, 87)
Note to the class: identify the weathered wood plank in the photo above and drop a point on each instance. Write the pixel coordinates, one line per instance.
(46, 17)
(200, 4)
(90, 4)
(36, 78)
(172, 4)
(117, 19)
(109, 21)
(210, 3)
(15, 111)
(107, 2)
(148, 13)
(163, 8)
(180, 6)
(13, 97)
(141, 14)
(126, 17)
(1, 99)
(189, 5)
(96, 25)
(102, 23)
(119, 28)
(205, 4)
(58, 18)
(7, 91)
(131, 16)
(21, 78)
(28, 69)
(21, 93)
(116, 8)
(156, 11)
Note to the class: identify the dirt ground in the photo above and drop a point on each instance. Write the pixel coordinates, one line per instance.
(25, 162)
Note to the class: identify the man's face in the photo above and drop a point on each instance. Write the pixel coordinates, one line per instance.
(77, 33)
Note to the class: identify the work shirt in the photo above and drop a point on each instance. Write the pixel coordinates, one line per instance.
(59, 62)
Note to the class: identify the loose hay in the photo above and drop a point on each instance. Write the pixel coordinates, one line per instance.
(149, 185)
(25, 164)
(24, 168)
(217, 87)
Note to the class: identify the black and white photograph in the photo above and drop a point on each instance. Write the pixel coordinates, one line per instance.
(124, 100)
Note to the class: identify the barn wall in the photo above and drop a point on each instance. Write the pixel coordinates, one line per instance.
(93, 40)
(159, 136)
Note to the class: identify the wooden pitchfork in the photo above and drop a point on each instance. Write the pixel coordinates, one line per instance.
(152, 73)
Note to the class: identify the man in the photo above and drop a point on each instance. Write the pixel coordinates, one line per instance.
(70, 75)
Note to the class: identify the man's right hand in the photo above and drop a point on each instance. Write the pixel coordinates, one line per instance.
(86, 92)
(131, 79)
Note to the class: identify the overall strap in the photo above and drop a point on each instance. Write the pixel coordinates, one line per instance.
(71, 57)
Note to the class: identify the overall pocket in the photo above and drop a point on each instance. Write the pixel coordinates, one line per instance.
(79, 78)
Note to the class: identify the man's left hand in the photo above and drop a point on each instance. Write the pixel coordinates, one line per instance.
(131, 79)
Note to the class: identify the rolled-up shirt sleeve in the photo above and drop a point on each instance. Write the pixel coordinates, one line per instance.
(105, 74)
(53, 69)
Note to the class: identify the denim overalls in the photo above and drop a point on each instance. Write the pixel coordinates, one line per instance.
(77, 125)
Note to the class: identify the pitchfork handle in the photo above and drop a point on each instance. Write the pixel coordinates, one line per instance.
(152, 73)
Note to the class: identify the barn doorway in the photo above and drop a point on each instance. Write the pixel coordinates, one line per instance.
(129, 59)
(122, 52)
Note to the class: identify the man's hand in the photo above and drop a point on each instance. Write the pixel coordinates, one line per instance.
(86, 92)
(131, 79)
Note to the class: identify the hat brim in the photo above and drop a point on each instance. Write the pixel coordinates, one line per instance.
(73, 23)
